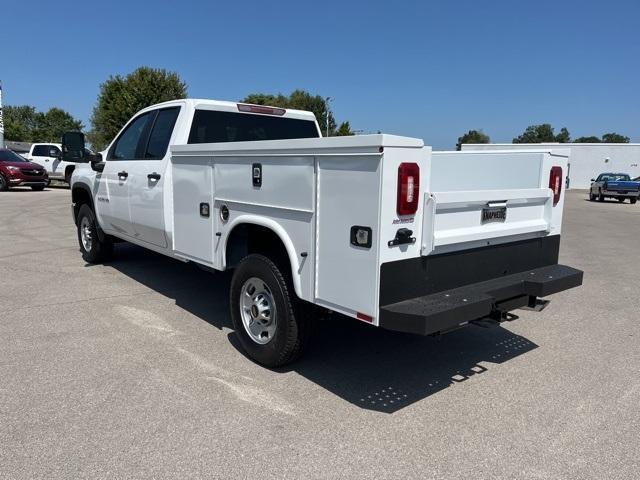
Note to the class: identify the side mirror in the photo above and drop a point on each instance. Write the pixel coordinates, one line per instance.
(73, 147)
(97, 165)
(593, 179)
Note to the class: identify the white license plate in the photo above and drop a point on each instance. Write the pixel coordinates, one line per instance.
(494, 214)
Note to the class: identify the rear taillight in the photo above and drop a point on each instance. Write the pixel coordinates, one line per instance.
(555, 183)
(408, 188)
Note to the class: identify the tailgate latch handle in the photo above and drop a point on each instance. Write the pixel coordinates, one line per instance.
(403, 236)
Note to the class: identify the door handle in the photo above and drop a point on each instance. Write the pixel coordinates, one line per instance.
(154, 176)
(123, 174)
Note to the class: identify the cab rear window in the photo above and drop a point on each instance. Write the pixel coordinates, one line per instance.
(211, 126)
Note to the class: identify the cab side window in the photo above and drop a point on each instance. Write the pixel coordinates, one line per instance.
(41, 150)
(129, 144)
(161, 133)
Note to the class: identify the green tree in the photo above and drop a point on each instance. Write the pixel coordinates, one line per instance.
(590, 139)
(121, 97)
(299, 100)
(52, 124)
(344, 130)
(25, 124)
(19, 122)
(614, 138)
(473, 136)
(563, 136)
(543, 133)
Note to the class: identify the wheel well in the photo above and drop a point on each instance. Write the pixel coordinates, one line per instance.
(79, 197)
(248, 238)
(69, 170)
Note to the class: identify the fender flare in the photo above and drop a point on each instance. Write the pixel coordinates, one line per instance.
(87, 190)
(282, 234)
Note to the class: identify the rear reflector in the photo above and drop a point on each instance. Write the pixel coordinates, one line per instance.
(244, 107)
(408, 188)
(365, 317)
(555, 183)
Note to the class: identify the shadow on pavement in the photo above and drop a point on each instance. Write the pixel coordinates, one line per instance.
(204, 294)
(369, 367)
(386, 371)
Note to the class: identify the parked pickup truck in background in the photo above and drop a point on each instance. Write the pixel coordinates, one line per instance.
(614, 185)
(375, 227)
(49, 156)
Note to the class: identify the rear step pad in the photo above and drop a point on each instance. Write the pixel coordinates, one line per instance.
(448, 309)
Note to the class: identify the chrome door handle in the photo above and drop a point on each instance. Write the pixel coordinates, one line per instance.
(123, 175)
(154, 176)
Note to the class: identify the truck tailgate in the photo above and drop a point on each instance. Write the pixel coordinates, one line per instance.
(475, 199)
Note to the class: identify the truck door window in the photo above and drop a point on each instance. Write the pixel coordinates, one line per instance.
(161, 133)
(127, 145)
(41, 150)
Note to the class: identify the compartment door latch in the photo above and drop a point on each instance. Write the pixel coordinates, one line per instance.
(403, 237)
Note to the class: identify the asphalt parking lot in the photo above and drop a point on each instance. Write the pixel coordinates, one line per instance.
(131, 370)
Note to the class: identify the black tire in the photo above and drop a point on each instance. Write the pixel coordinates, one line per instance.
(4, 185)
(633, 200)
(600, 196)
(37, 188)
(621, 199)
(293, 317)
(99, 250)
(592, 197)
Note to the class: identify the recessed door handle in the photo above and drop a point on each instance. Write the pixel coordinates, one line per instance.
(154, 176)
(123, 174)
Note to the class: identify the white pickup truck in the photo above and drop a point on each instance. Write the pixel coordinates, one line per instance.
(375, 227)
(48, 155)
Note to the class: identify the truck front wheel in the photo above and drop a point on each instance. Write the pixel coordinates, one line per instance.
(272, 324)
(93, 249)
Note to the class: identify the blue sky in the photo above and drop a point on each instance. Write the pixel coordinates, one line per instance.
(428, 69)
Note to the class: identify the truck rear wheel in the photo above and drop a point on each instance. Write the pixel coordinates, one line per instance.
(272, 324)
(621, 199)
(93, 249)
(633, 200)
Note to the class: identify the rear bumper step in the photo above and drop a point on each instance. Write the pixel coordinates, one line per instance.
(446, 310)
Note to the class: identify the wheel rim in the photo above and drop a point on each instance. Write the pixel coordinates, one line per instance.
(258, 311)
(85, 234)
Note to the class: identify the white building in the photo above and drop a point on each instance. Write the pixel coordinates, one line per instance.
(587, 160)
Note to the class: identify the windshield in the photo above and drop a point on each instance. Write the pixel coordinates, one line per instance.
(614, 177)
(9, 156)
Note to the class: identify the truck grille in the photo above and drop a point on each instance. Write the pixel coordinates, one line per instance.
(32, 172)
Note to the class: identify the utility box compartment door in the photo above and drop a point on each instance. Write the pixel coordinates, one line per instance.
(193, 209)
(348, 196)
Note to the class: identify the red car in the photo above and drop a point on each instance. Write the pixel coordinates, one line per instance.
(15, 170)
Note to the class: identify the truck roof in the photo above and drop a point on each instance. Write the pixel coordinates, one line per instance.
(222, 105)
